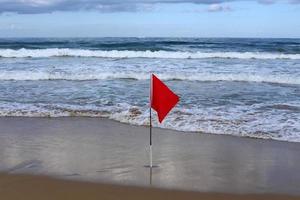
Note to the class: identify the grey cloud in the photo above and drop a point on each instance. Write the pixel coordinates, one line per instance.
(47, 6)
(295, 1)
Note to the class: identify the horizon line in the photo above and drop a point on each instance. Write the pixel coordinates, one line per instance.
(141, 37)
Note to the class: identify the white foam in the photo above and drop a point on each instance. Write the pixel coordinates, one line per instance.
(81, 76)
(270, 124)
(56, 52)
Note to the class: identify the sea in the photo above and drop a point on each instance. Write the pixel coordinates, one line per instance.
(236, 86)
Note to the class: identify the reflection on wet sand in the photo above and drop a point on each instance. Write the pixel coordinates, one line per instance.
(101, 150)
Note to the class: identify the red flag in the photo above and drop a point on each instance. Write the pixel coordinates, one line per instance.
(162, 98)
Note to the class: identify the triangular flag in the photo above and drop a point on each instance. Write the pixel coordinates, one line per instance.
(162, 98)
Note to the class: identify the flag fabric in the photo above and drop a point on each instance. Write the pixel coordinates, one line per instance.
(162, 98)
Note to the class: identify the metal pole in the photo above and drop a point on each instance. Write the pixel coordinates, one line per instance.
(150, 121)
(150, 140)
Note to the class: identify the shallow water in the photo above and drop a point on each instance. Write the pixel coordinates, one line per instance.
(243, 87)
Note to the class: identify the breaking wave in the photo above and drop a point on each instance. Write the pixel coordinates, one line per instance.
(74, 76)
(202, 120)
(66, 52)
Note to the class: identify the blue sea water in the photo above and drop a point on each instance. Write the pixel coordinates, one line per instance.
(242, 87)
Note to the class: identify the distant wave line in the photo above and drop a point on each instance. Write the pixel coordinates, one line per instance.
(66, 52)
(239, 77)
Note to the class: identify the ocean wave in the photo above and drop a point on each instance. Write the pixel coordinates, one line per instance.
(66, 52)
(264, 124)
(203, 77)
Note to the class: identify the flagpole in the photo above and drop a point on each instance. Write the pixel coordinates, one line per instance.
(150, 118)
(150, 140)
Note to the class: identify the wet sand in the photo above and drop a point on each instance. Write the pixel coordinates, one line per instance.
(104, 151)
(25, 187)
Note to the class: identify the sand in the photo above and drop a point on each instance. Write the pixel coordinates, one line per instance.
(24, 187)
(107, 152)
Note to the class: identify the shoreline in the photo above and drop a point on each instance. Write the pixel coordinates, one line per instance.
(106, 151)
(158, 128)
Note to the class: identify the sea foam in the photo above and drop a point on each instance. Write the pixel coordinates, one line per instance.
(77, 76)
(66, 52)
(233, 121)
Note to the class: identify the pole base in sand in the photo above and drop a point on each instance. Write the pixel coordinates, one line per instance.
(153, 166)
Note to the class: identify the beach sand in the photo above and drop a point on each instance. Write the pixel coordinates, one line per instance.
(25, 187)
(97, 150)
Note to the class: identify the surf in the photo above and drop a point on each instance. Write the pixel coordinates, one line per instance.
(67, 52)
(183, 76)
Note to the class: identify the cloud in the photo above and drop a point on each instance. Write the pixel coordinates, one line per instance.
(267, 1)
(275, 1)
(218, 8)
(48, 6)
(10, 26)
(295, 1)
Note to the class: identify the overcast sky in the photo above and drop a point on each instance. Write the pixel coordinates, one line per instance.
(150, 18)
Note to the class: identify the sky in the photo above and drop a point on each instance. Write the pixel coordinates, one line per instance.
(150, 18)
